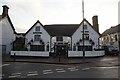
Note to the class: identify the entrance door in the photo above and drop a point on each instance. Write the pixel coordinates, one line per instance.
(61, 50)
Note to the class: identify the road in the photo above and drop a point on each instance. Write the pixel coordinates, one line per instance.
(109, 69)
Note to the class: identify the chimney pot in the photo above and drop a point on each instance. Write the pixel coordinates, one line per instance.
(5, 11)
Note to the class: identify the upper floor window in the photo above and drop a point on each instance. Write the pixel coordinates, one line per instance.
(85, 26)
(85, 36)
(37, 37)
(59, 38)
(37, 28)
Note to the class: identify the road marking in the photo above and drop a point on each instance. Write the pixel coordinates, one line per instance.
(47, 71)
(74, 69)
(105, 67)
(60, 70)
(32, 74)
(84, 69)
(13, 76)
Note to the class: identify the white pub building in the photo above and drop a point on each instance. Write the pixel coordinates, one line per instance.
(59, 39)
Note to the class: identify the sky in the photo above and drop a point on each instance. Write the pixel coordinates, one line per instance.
(24, 13)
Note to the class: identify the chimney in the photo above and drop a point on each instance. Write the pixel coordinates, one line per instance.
(95, 23)
(5, 11)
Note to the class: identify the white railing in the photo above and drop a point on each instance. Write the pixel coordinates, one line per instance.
(87, 53)
(30, 53)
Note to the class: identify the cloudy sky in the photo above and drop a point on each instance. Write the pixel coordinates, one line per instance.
(24, 13)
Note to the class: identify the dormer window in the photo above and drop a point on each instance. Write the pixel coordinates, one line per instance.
(37, 28)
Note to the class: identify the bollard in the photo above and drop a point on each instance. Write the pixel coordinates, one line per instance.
(14, 57)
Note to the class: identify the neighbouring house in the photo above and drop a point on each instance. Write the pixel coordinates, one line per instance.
(7, 32)
(111, 36)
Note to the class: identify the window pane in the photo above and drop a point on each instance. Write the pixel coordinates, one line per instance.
(86, 36)
(37, 37)
(59, 38)
(85, 26)
(37, 28)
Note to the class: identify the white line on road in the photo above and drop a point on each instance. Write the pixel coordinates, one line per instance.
(60, 70)
(32, 74)
(106, 67)
(84, 69)
(47, 72)
(14, 76)
(74, 69)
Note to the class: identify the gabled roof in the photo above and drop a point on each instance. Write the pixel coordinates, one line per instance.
(111, 30)
(9, 21)
(61, 29)
(64, 29)
(34, 25)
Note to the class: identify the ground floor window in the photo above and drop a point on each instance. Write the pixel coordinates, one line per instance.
(87, 48)
(37, 48)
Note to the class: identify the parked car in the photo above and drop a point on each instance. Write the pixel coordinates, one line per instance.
(110, 50)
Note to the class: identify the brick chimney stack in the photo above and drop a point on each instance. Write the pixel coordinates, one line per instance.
(5, 11)
(95, 23)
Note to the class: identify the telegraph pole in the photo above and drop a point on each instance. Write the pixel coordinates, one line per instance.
(83, 30)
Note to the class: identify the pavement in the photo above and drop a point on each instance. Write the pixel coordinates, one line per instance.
(98, 61)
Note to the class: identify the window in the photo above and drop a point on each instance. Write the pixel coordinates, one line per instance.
(85, 36)
(37, 28)
(37, 37)
(59, 38)
(37, 48)
(87, 48)
(85, 27)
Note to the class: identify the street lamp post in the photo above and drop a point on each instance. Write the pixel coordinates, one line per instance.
(83, 29)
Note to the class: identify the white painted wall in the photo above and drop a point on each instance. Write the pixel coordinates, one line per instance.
(45, 36)
(7, 35)
(92, 35)
(87, 53)
(30, 53)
